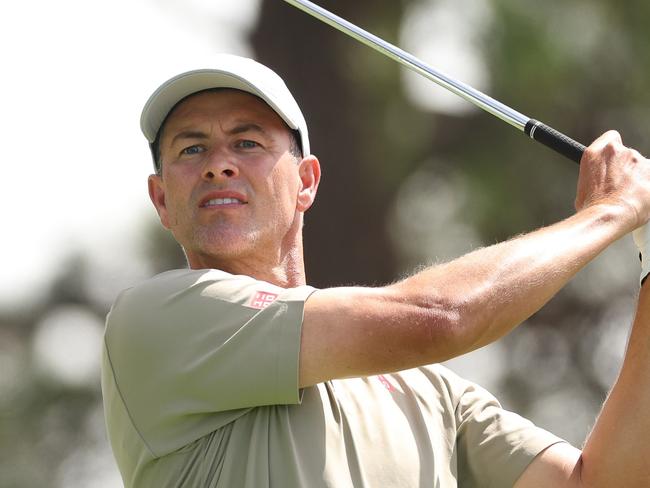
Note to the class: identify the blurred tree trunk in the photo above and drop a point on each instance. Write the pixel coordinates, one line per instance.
(345, 234)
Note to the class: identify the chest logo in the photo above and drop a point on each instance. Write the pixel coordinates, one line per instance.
(384, 381)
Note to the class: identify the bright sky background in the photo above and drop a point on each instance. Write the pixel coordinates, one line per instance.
(74, 163)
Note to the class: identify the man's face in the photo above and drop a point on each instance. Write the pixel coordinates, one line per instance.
(229, 185)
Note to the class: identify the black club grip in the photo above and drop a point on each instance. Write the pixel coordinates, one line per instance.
(555, 140)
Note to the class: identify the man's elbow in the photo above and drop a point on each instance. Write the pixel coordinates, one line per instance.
(434, 325)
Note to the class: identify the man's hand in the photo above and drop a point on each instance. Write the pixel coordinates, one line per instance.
(613, 174)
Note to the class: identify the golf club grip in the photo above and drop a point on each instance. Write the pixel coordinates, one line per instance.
(555, 140)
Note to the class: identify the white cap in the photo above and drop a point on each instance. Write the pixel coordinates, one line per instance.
(227, 71)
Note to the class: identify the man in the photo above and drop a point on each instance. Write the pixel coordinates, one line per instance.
(235, 373)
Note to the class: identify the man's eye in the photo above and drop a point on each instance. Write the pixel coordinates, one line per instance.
(247, 144)
(192, 150)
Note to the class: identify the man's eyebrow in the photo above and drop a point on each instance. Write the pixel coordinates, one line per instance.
(189, 134)
(239, 128)
(246, 127)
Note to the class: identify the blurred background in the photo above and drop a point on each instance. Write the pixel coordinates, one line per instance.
(412, 176)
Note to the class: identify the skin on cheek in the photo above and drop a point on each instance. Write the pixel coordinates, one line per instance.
(176, 212)
(288, 181)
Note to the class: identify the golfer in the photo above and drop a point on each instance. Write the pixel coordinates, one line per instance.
(236, 373)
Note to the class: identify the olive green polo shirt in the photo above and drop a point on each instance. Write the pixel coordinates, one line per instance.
(200, 385)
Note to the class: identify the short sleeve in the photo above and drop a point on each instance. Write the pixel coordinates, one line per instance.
(494, 445)
(190, 351)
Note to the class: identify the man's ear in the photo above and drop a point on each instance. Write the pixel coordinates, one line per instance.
(157, 196)
(309, 172)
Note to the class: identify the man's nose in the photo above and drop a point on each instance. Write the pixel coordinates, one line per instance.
(220, 164)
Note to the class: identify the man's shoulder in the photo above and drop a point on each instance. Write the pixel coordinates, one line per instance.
(177, 282)
(181, 278)
(197, 287)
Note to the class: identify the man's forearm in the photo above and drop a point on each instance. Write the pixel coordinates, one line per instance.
(450, 309)
(616, 452)
(495, 288)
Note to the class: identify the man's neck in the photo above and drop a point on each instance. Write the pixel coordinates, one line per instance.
(286, 269)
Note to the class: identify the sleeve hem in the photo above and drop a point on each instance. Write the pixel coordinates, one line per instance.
(288, 359)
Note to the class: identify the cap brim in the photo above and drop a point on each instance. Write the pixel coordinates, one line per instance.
(165, 98)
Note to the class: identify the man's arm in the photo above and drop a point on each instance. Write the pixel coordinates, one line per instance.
(616, 451)
(448, 310)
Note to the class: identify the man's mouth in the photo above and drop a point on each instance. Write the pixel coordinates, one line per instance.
(214, 202)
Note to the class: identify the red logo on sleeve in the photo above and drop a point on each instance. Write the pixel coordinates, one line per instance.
(263, 299)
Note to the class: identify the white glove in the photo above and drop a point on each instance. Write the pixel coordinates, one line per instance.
(641, 238)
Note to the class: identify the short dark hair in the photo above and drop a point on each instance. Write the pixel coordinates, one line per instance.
(295, 148)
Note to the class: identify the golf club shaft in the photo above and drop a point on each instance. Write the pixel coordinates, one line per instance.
(533, 128)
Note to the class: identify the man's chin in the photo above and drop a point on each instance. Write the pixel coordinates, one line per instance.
(225, 245)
